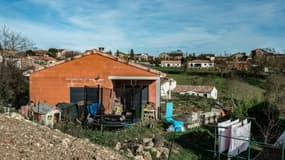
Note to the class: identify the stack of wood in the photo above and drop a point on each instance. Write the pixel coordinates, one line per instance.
(149, 111)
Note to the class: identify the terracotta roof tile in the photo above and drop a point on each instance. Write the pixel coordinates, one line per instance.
(170, 61)
(95, 51)
(199, 61)
(45, 58)
(199, 89)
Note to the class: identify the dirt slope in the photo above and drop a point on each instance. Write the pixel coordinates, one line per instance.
(23, 139)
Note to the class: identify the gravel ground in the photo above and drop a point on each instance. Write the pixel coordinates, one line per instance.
(23, 139)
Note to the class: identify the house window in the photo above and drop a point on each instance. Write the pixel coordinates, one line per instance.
(90, 94)
(205, 95)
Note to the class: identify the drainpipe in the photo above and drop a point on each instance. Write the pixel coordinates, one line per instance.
(157, 104)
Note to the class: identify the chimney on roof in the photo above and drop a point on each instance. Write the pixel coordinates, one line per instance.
(101, 49)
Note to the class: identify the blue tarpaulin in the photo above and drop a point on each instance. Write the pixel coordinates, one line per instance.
(92, 108)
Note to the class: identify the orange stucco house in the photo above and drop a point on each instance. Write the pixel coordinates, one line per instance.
(75, 79)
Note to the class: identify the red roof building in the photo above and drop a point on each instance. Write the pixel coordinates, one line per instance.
(101, 78)
(196, 90)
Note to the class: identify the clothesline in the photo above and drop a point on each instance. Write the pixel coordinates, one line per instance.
(233, 136)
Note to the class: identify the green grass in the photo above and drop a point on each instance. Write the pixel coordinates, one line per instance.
(227, 88)
(188, 103)
(195, 143)
(169, 69)
(256, 82)
(184, 154)
(111, 137)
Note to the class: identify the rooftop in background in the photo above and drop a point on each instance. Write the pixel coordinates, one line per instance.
(200, 89)
(95, 51)
(200, 61)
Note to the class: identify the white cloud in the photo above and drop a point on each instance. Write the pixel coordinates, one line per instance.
(190, 36)
(152, 25)
(47, 36)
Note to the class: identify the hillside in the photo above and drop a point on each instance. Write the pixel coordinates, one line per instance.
(227, 88)
(23, 139)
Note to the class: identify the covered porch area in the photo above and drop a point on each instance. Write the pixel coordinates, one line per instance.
(132, 94)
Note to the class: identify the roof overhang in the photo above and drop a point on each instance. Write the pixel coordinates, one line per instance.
(133, 78)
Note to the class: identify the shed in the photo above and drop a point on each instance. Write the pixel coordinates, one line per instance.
(46, 114)
(206, 91)
(97, 77)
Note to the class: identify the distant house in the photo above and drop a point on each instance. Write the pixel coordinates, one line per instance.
(267, 57)
(142, 57)
(170, 63)
(238, 57)
(205, 91)
(164, 56)
(261, 53)
(150, 58)
(40, 52)
(36, 62)
(239, 65)
(13, 59)
(122, 55)
(221, 58)
(167, 86)
(42, 60)
(200, 64)
(61, 53)
(176, 55)
(211, 57)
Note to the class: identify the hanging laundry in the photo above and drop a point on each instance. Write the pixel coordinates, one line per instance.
(279, 142)
(245, 144)
(240, 134)
(224, 122)
(233, 142)
(225, 134)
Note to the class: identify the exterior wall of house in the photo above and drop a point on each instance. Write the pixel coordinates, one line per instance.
(166, 87)
(142, 57)
(196, 93)
(171, 56)
(212, 58)
(16, 60)
(213, 94)
(52, 85)
(200, 65)
(242, 65)
(170, 64)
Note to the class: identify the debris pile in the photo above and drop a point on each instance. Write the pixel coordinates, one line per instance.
(145, 148)
(23, 139)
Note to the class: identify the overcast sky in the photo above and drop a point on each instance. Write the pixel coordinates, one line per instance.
(208, 26)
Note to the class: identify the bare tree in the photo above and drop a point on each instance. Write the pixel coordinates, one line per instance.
(12, 41)
(13, 85)
(267, 113)
(275, 91)
(268, 122)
